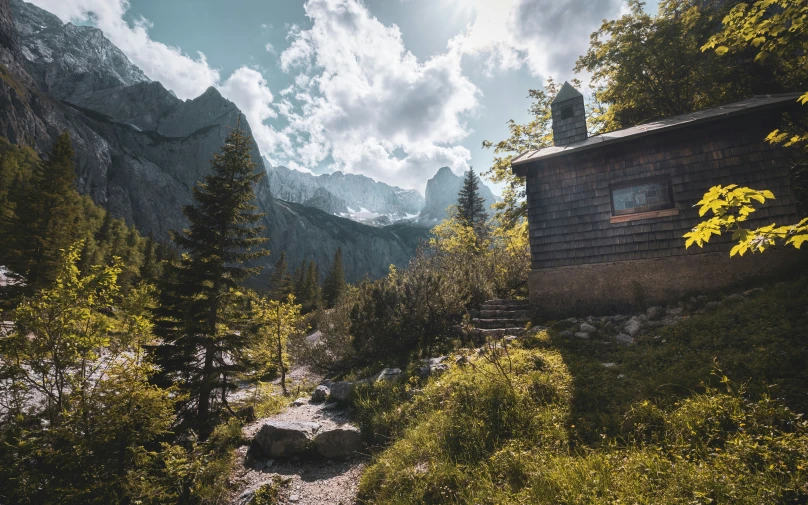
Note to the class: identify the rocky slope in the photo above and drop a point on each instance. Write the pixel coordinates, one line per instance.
(140, 150)
(362, 195)
(441, 192)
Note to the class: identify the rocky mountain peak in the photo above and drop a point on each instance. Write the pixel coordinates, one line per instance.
(68, 61)
(441, 192)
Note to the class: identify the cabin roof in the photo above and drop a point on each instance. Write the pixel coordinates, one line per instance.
(757, 102)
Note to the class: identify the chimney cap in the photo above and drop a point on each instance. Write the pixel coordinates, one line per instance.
(567, 92)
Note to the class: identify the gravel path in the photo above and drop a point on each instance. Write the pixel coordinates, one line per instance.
(310, 481)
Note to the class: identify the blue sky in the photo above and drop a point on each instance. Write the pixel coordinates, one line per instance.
(393, 89)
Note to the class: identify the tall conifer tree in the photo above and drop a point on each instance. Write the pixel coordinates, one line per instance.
(201, 320)
(334, 284)
(48, 217)
(470, 205)
(280, 283)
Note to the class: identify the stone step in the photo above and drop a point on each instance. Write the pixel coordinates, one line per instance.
(498, 332)
(509, 314)
(510, 304)
(499, 323)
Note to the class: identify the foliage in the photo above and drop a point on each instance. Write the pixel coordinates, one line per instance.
(470, 205)
(773, 30)
(731, 207)
(334, 285)
(85, 364)
(280, 283)
(333, 352)
(277, 321)
(677, 77)
(306, 286)
(38, 224)
(202, 317)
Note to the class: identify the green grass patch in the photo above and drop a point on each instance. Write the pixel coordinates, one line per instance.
(706, 411)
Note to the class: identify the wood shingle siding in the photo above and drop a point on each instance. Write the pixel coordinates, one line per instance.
(569, 200)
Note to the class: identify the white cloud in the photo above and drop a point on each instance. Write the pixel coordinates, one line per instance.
(248, 89)
(546, 35)
(361, 96)
(270, 48)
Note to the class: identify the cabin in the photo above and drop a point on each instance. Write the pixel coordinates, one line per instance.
(607, 213)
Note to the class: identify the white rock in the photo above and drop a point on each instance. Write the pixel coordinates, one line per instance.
(588, 328)
(633, 326)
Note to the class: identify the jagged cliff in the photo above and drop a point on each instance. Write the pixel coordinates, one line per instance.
(357, 191)
(140, 149)
(441, 192)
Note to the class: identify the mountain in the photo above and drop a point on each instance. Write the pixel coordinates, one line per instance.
(441, 192)
(140, 150)
(366, 200)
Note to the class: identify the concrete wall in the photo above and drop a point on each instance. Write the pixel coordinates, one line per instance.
(625, 286)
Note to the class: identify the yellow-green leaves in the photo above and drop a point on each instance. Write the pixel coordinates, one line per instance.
(732, 205)
(776, 29)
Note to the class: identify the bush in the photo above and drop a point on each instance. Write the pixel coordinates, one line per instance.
(476, 436)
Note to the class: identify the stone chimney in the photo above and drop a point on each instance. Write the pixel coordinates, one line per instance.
(569, 116)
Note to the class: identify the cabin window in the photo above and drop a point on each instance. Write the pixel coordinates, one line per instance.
(642, 196)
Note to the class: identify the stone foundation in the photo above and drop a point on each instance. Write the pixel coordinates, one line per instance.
(629, 286)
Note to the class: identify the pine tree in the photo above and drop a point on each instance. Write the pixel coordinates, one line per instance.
(280, 283)
(470, 205)
(48, 217)
(334, 284)
(201, 318)
(310, 290)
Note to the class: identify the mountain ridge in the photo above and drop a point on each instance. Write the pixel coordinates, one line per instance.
(140, 150)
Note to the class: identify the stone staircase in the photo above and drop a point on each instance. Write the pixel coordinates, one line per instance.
(502, 317)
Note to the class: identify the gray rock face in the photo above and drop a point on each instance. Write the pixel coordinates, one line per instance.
(66, 60)
(588, 328)
(279, 439)
(624, 339)
(633, 326)
(655, 312)
(441, 192)
(390, 375)
(320, 394)
(140, 150)
(327, 202)
(338, 442)
(341, 391)
(354, 191)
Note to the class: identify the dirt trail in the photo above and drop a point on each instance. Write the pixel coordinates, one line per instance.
(311, 481)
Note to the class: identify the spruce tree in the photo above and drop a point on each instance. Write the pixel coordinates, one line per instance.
(280, 283)
(201, 318)
(310, 290)
(470, 205)
(48, 218)
(334, 284)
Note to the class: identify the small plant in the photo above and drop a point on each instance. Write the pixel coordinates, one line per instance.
(732, 205)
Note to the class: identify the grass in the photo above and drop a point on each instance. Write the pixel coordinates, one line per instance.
(706, 411)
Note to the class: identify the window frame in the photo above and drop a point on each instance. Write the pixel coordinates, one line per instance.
(668, 211)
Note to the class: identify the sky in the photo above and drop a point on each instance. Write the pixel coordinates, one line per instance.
(393, 89)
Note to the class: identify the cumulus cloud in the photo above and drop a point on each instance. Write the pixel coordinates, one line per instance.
(546, 35)
(362, 100)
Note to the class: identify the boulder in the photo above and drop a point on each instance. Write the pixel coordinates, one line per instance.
(674, 311)
(633, 326)
(320, 393)
(712, 306)
(341, 391)
(281, 439)
(566, 334)
(390, 375)
(655, 312)
(588, 328)
(751, 293)
(733, 299)
(338, 442)
(624, 339)
(582, 335)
